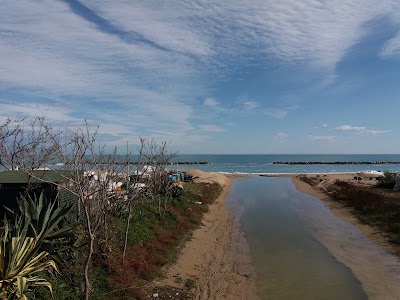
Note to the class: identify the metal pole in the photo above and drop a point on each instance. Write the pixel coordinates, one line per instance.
(128, 161)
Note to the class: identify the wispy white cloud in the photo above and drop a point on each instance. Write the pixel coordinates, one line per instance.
(316, 32)
(324, 138)
(56, 48)
(250, 104)
(360, 130)
(281, 136)
(210, 102)
(351, 128)
(166, 25)
(392, 47)
(54, 114)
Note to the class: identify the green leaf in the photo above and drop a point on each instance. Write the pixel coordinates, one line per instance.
(21, 286)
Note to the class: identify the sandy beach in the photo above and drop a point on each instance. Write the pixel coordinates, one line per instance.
(216, 259)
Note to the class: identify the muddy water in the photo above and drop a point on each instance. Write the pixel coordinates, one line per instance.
(289, 258)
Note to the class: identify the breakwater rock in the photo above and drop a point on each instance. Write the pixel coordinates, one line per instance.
(336, 162)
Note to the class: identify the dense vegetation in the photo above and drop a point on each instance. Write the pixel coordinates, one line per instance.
(153, 242)
(373, 205)
(126, 220)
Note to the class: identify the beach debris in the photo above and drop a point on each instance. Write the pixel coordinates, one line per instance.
(170, 292)
(199, 202)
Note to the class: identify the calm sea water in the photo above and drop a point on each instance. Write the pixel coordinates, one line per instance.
(256, 164)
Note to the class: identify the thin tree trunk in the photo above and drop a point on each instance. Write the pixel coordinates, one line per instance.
(105, 229)
(126, 232)
(89, 255)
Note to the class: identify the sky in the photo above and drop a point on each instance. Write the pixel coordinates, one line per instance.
(209, 77)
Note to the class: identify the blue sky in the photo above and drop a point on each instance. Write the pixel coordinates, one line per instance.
(256, 76)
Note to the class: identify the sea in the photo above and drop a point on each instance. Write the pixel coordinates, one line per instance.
(264, 163)
(274, 163)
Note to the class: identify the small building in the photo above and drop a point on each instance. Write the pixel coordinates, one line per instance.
(14, 184)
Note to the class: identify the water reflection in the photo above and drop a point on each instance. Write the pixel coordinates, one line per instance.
(289, 261)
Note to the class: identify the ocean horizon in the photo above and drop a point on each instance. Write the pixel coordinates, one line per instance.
(264, 163)
(273, 163)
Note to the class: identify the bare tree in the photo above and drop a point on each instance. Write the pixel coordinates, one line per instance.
(157, 158)
(90, 171)
(93, 176)
(26, 144)
(150, 179)
(9, 130)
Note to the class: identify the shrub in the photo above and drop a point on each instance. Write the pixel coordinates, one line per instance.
(387, 181)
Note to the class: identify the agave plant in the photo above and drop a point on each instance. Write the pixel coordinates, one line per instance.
(21, 262)
(43, 219)
(22, 258)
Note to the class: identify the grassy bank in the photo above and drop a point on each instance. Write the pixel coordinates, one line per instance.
(155, 235)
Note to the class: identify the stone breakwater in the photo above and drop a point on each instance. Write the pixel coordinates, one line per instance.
(336, 162)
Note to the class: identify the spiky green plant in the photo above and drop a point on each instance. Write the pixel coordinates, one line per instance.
(21, 262)
(43, 219)
(22, 258)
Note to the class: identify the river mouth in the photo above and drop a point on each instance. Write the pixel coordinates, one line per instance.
(291, 262)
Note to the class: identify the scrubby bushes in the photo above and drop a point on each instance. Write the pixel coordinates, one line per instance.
(148, 253)
(153, 242)
(387, 181)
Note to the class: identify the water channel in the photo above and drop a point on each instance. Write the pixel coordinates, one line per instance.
(295, 242)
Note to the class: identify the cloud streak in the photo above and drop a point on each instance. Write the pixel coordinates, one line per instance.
(361, 130)
(323, 138)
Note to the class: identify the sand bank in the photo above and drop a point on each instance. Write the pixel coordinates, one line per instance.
(215, 263)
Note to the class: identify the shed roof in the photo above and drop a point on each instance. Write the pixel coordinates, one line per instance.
(56, 176)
